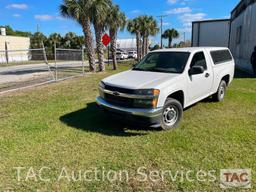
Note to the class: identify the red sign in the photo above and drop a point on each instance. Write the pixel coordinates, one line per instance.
(106, 39)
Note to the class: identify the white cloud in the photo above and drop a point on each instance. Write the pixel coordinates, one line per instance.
(172, 1)
(136, 11)
(184, 30)
(16, 15)
(47, 17)
(22, 6)
(44, 17)
(179, 10)
(185, 2)
(166, 24)
(188, 18)
(60, 18)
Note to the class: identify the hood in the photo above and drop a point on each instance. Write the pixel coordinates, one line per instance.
(138, 79)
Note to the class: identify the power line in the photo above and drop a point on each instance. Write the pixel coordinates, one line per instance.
(161, 18)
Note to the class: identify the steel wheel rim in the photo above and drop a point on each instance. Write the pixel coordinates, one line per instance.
(170, 116)
(222, 92)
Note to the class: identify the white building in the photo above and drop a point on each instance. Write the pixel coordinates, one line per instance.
(239, 34)
(126, 44)
(10, 43)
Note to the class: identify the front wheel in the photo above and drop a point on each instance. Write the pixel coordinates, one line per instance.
(220, 94)
(171, 115)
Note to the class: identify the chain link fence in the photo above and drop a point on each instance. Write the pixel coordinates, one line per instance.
(69, 63)
(32, 67)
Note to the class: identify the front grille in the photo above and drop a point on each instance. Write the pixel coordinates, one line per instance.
(119, 101)
(120, 90)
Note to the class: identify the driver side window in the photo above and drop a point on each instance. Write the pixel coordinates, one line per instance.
(199, 60)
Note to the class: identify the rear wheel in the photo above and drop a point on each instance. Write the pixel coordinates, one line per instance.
(171, 115)
(220, 94)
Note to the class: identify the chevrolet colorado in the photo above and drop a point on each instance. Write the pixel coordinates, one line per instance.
(156, 90)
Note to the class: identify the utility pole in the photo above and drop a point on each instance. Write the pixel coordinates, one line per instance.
(161, 29)
(37, 28)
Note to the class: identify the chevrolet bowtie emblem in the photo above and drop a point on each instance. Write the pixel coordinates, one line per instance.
(116, 93)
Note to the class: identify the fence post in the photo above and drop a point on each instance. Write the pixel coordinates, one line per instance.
(44, 53)
(83, 60)
(108, 55)
(55, 61)
(6, 52)
(45, 59)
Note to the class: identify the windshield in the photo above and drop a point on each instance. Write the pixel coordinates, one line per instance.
(166, 62)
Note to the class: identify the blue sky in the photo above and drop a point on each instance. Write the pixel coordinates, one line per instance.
(27, 14)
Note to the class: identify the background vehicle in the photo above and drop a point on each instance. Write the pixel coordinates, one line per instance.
(132, 54)
(121, 55)
(156, 90)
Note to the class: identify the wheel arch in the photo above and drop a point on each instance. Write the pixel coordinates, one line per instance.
(226, 78)
(179, 96)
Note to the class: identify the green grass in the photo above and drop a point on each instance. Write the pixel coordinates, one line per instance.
(59, 125)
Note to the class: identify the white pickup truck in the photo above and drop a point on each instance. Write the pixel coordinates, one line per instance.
(165, 82)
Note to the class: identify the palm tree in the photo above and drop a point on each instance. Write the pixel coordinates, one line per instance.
(54, 38)
(100, 10)
(148, 28)
(69, 40)
(116, 20)
(36, 40)
(170, 34)
(80, 11)
(133, 27)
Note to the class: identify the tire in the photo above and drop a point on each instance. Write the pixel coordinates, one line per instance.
(171, 115)
(220, 94)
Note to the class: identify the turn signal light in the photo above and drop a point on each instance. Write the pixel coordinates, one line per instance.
(154, 102)
(156, 92)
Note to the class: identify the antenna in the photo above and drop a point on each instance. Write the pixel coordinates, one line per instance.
(161, 18)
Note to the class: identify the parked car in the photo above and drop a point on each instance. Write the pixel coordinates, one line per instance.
(121, 55)
(132, 54)
(165, 82)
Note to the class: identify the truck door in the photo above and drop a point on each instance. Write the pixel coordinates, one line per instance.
(199, 86)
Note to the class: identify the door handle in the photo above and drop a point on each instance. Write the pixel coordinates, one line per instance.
(207, 75)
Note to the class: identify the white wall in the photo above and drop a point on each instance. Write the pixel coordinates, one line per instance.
(14, 43)
(212, 33)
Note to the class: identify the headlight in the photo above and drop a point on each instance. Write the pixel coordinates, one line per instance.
(149, 102)
(145, 103)
(153, 92)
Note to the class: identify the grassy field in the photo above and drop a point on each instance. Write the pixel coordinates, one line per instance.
(59, 125)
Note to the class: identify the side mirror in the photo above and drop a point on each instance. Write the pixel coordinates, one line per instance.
(195, 70)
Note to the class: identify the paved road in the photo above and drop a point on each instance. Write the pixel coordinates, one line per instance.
(32, 71)
(40, 66)
(13, 74)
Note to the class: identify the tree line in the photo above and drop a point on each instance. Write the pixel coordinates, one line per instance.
(69, 41)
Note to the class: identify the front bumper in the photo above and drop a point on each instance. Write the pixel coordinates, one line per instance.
(149, 117)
